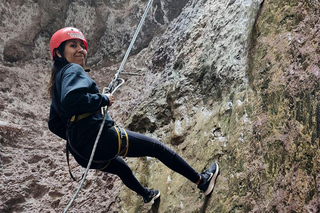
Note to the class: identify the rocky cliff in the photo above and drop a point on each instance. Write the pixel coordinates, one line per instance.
(229, 81)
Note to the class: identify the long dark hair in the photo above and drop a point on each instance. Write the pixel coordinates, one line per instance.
(58, 64)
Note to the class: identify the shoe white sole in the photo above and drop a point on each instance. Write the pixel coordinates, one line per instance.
(212, 181)
(153, 199)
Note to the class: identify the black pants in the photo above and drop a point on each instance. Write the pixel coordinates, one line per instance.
(139, 146)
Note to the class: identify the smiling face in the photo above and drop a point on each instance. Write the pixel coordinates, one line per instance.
(75, 52)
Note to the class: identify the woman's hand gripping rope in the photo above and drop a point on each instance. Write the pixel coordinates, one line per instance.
(111, 99)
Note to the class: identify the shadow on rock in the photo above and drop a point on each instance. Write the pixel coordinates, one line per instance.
(205, 203)
(155, 206)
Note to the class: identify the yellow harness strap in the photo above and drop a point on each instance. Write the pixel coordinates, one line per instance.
(119, 140)
(127, 145)
(122, 134)
(76, 118)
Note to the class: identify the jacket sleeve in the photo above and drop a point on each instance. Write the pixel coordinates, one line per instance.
(79, 93)
(57, 125)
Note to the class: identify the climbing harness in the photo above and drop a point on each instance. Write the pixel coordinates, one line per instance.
(123, 147)
(111, 89)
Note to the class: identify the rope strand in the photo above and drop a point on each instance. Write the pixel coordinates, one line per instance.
(131, 44)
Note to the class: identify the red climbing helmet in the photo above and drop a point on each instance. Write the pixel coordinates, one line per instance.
(65, 34)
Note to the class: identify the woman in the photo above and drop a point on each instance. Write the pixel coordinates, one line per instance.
(75, 116)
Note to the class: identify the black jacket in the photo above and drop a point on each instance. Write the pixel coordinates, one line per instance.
(75, 93)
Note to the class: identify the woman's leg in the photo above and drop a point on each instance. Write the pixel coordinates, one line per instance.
(119, 167)
(141, 145)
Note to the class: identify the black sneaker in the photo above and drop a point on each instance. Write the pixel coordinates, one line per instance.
(153, 195)
(208, 179)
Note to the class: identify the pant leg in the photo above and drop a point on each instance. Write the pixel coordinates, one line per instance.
(119, 167)
(141, 145)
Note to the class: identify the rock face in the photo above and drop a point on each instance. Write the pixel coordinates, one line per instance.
(229, 81)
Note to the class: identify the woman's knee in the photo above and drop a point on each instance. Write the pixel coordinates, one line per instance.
(118, 167)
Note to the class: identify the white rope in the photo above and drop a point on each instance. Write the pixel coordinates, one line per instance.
(106, 90)
(129, 48)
